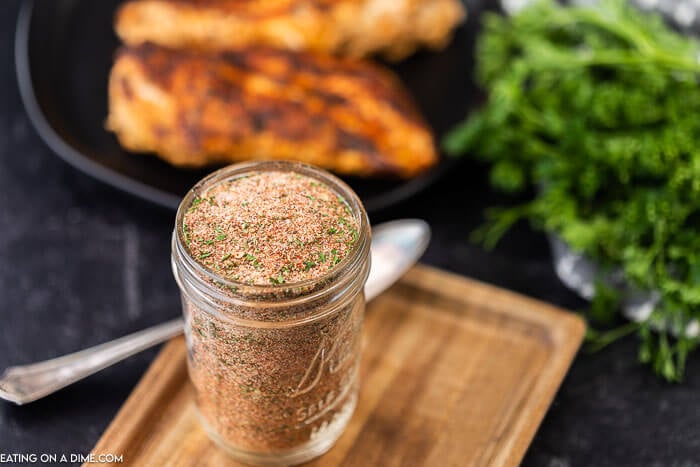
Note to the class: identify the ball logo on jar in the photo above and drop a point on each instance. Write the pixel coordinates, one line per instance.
(333, 354)
(332, 398)
(333, 357)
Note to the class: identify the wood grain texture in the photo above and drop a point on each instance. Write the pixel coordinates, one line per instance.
(454, 372)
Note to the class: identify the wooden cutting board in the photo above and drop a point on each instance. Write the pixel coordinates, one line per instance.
(454, 372)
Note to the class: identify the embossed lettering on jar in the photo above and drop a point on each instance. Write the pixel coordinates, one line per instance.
(271, 259)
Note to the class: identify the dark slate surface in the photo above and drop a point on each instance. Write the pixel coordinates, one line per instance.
(81, 263)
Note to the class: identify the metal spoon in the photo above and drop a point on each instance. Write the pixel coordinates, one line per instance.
(396, 246)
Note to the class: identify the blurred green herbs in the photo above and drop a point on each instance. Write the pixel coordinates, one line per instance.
(598, 108)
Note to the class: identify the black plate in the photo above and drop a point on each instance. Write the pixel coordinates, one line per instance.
(64, 50)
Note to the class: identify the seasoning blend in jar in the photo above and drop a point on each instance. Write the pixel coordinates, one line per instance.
(271, 259)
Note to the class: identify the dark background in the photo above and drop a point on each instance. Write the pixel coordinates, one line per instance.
(81, 263)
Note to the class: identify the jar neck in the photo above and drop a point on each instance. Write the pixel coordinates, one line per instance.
(275, 305)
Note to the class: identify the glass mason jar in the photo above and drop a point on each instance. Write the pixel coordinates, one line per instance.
(274, 367)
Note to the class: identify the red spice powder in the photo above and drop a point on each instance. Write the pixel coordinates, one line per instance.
(270, 227)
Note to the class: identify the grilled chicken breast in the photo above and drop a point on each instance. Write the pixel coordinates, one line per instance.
(197, 109)
(349, 27)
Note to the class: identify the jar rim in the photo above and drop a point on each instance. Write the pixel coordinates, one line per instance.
(234, 171)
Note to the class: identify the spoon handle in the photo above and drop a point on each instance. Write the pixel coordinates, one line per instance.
(23, 384)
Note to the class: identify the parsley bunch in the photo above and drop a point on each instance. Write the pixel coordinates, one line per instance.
(598, 108)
